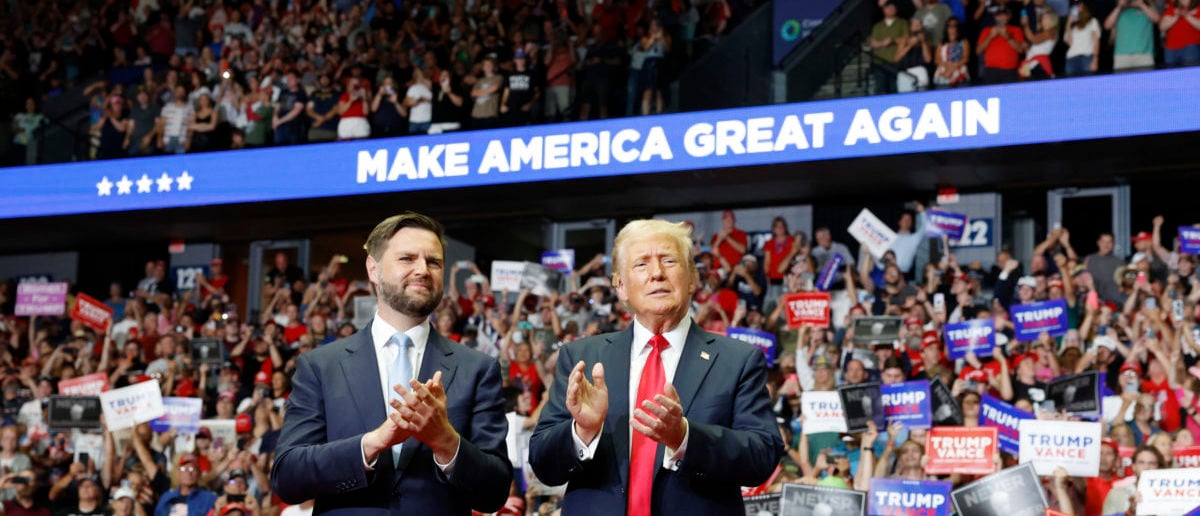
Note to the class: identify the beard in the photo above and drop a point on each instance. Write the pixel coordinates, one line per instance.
(412, 306)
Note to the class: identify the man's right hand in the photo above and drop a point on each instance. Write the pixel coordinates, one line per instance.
(586, 401)
(383, 437)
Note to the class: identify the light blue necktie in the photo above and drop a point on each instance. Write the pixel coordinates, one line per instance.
(400, 372)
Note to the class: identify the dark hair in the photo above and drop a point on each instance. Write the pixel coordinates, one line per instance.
(1158, 456)
(377, 240)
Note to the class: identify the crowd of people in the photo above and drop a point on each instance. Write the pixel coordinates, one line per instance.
(189, 76)
(953, 42)
(1133, 318)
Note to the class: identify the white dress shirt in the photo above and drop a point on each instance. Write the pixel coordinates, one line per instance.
(385, 354)
(637, 361)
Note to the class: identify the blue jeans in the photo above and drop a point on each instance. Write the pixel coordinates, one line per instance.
(1185, 56)
(174, 145)
(288, 134)
(418, 127)
(1079, 65)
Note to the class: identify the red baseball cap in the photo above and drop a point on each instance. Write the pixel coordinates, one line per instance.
(1141, 236)
(262, 377)
(930, 339)
(1132, 365)
(1108, 441)
(912, 321)
(243, 424)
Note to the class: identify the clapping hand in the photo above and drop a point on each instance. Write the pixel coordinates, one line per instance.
(587, 401)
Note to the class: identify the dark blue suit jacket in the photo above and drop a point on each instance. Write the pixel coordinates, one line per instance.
(336, 398)
(733, 439)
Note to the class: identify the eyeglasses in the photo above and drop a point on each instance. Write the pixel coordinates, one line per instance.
(187, 469)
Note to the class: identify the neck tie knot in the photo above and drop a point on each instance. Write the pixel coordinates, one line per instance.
(659, 343)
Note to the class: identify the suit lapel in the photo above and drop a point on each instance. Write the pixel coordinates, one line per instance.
(438, 357)
(361, 370)
(694, 362)
(615, 357)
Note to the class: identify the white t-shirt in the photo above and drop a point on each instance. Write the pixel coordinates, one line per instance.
(422, 112)
(1081, 39)
(175, 120)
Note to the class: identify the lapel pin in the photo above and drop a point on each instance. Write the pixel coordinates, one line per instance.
(704, 355)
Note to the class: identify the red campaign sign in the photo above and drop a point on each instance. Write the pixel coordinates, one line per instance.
(807, 308)
(89, 385)
(91, 312)
(957, 449)
(1187, 456)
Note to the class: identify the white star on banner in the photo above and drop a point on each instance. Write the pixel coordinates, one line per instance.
(144, 184)
(185, 181)
(104, 187)
(124, 185)
(164, 183)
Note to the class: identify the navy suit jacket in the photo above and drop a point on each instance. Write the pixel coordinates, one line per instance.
(733, 439)
(336, 398)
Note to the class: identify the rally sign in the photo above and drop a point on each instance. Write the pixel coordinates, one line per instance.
(948, 223)
(1187, 456)
(802, 500)
(1077, 394)
(807, 308)
(540, 280)
(959, 449)
(764, 504)
(897, 497)
(1189, 240)
(41, 299)
(872, 233)
(763, 340)
(822, 412)
(975, 335)
(182, 414)
(506, 275)
(829, 272)
(870, 331)
(907, 403)
(73, 412)
(561, 260)
(1006, 418)
(862, 403)
(1011, 492)
(92, 312)
(224, 431)
(1074, 445)
(87, 385)
(1168, 491)
(946, 410)
(131, 405)
(1030, 320)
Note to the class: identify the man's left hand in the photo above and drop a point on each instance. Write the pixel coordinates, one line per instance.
(424, 414)
(661, 419)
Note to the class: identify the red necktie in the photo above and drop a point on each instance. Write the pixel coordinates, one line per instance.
(642, 448)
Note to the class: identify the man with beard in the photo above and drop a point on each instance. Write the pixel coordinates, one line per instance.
(396, 417)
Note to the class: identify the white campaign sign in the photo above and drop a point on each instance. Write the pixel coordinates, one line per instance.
(1074, 445)
(822, 412)
(128, 406)
(506, 275)
(1168, 491)
(872, 233)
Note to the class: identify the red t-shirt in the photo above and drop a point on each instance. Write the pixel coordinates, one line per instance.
(732, 256)
(1182, 34)
(529, 379)
(1170, 406)
(357, 108)
(776, 249)
(1097, 490)
(999, 53)
(293, 332)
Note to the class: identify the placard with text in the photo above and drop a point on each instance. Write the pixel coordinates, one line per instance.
(1014, 491)
(822, 412)
(960, 449)
(1049, 444)
(805, 500)
(899, 497)
(907, 403)
(807, 308)
(1006, 418)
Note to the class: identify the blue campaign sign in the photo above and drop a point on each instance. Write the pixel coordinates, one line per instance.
(561, 260)
(976, 233)
(182, 414)
(897, 497)
(907, 403)
(931, 121)
(976, 335)
(948, 223)
(830, 272)
(1032, 319)
(762, 340)
(1189, 240)
(185, 276)
(1007, 420)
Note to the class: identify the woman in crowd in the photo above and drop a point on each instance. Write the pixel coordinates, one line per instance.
(1180, 24)
(1122, 500)
(1083, 41)
(113, 128)
(915, 56)
(388, 110)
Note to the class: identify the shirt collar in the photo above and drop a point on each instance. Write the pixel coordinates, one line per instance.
(381, 332)
(676, 337)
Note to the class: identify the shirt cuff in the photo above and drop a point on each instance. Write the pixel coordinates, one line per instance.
(362, 449)
(449, 465)
(585, 452)
(672, 458)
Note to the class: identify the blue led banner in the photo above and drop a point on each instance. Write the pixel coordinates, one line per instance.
(933, 121)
